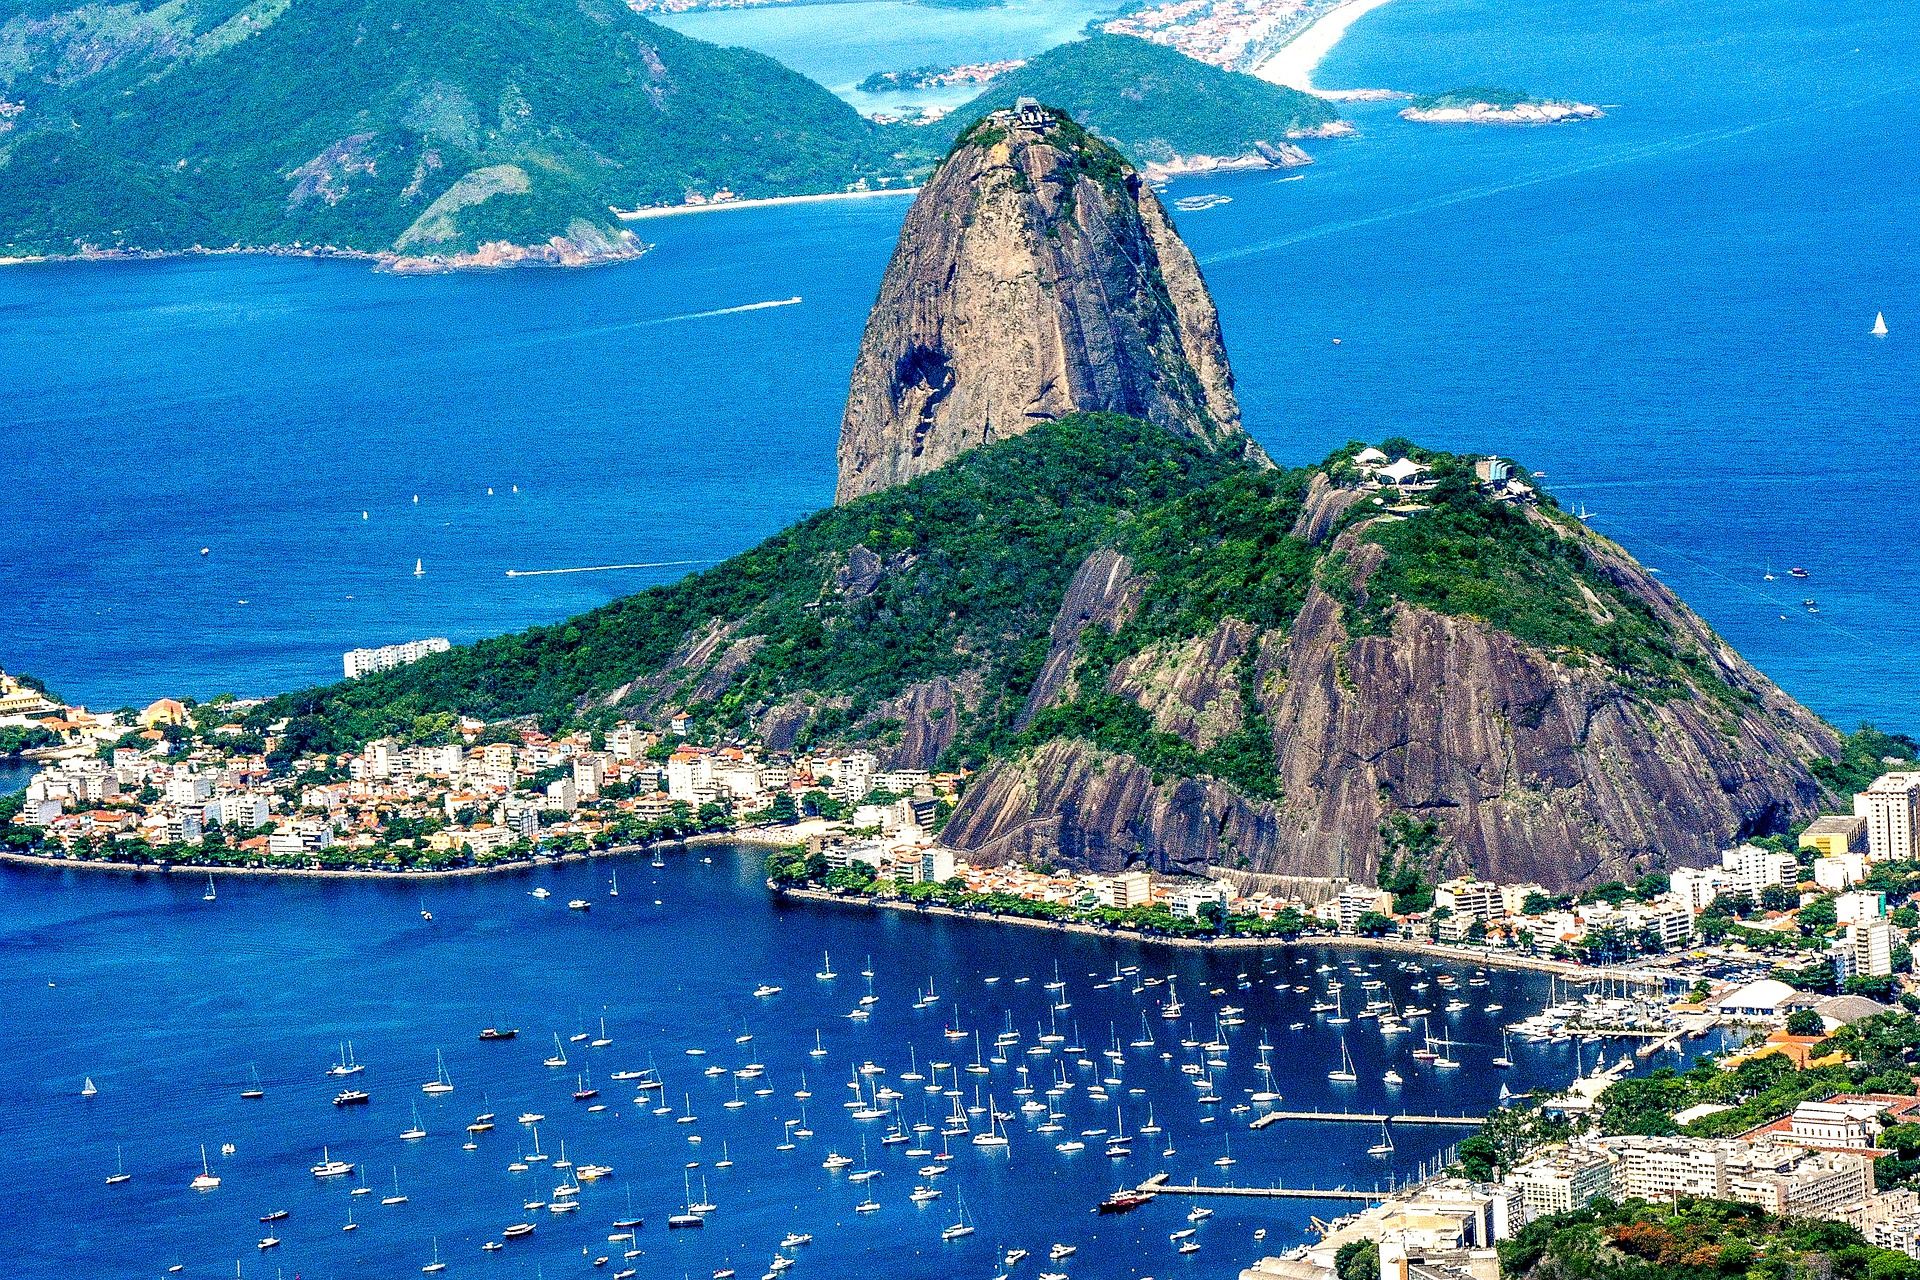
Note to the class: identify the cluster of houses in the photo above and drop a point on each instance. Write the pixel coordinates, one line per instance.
(471, 798)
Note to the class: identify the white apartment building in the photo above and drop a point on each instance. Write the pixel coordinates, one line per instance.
(1127, 889)
(1891, 807)
(1355, 901)
(300, 837)
(1563, 1180)
(1187, 900)
(1655, 1168)
(1807, 1184)
(689, 776)
(1467, 897)
(240, 812)
(1753, 870)
(188, 788)
(1695, 887)
(360, 662)
(1860, 906)
(1869, 949)
(902, 781)
(1835, 874)
(589, 772)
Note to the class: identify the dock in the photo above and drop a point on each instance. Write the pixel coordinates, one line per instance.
(1363, 1117)
(1158, 1185)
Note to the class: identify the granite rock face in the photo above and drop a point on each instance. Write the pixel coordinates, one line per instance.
(1036, 275)
(1535, 769)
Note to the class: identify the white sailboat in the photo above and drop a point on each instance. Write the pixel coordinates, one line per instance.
(1344, 1073)
(209, 895)
(1879, 324)
(89, 1089)
(119, 1174)
(419, 568)
(826, 973)
(206, 1180)
(440, 1082)
(1384, 1147)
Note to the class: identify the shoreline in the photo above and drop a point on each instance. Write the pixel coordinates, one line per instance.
(761, 202)
(1292, 65)
(1487, 958)
(42, 862)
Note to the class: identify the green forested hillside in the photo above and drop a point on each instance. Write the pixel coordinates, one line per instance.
(412, 126)
(958, 575)
(1154, 103)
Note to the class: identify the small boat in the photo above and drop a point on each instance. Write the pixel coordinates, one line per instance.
(419, 568)
(269, 1242)
(397, 1197)
(542, 892)
(517, 1230)
(352, 1098)
(277, 1215)
(119, 1174)
(499, 1033)
(579, 904)
(436, 1265)
(254, 1090)
(1879, 329)
(88, 1089)
(209, 895)
(1798, 572)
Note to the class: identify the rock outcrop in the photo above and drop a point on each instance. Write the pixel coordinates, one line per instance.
(1036, 275)
(1535, 768)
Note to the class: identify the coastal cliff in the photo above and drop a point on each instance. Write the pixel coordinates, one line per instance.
(1035, 276)
(1532, 764)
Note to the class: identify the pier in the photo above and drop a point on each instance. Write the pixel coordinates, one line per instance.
(1158, 1185)
(1362, 1117)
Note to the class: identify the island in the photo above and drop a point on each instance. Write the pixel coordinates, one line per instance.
(1169, 113)
(1495, 106)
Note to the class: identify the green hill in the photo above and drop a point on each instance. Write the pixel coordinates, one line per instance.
(417, 127)
(1156, 104)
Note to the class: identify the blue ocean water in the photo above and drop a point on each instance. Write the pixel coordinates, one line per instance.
(168, 1003)
(1665, 310)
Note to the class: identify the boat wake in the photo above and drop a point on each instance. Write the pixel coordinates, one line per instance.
(794, 301)
(605, 568)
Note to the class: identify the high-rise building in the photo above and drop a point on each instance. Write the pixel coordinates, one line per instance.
(1891, 807)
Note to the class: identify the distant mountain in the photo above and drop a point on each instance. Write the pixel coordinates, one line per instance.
(1160, 107)
(1156, 648)
(407, 127)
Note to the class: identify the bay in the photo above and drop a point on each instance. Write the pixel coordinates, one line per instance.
(168, 1002)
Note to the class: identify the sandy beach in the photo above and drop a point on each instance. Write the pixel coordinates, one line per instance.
(1294, 63)
(675, 210)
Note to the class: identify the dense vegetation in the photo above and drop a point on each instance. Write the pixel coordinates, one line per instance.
(1153, 102)
(1471, 95)
(416, 125)
(1865, 755)
(1880, 1055)
(958, 576)
(1694, 1240)
(976, 557)
(1528, 577)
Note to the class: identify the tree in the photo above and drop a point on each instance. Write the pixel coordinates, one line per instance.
(784, 809)
(1371, 924)
(1357, 1260)
(1805, 1022)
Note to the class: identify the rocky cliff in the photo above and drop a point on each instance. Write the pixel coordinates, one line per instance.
(1533, 764)
(1036, 275)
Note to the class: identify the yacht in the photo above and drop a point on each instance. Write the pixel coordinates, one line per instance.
(331, 1168)
(119, 1174)
(347, 1066)
(440, 1082)
(1344, 1073)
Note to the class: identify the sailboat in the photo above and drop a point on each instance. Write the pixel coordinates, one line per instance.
(613, 891)
(962, 1225)
(416, 1131)
(440, 1082)
(826, 973)
(419, 569)
(396, 1197)
(119, 1174)
(254, 1090)
(1344, 1073)
(209, 895)
(89, 1089)
(1879, 324)
(1384, 1147)
(206, 1180)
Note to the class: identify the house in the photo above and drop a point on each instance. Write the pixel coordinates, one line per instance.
(165, 711)
(1029, 114)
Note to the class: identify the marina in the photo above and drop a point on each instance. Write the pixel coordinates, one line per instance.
(660, 1098)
